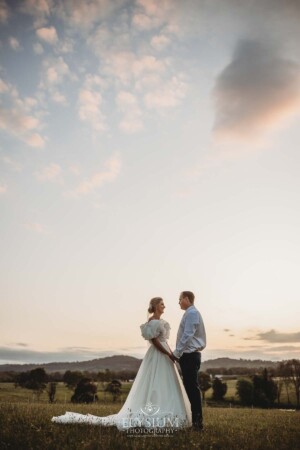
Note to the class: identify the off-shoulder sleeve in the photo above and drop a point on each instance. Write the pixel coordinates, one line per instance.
(151, 329)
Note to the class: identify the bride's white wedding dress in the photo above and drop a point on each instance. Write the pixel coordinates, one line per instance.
(157, 398)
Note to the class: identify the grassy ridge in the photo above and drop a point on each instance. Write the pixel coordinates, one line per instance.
(28, 426)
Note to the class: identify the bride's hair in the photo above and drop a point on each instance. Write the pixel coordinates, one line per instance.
(153, 303)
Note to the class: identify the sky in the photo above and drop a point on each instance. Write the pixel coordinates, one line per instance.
(148, 147)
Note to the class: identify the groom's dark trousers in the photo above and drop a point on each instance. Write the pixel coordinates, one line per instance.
(190, 366)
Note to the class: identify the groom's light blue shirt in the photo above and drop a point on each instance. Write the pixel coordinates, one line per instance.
(191, 334)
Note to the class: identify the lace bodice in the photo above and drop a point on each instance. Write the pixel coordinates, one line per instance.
(156, 328)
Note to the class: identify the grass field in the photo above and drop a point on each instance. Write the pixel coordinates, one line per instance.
(25, 423)
(28, 426)
(8, 393)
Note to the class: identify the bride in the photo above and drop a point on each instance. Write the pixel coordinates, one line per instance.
(157, 398)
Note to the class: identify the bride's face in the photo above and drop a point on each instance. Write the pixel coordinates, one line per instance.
(160, 307)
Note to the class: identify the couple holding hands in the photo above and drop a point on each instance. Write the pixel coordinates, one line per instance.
(158, 397)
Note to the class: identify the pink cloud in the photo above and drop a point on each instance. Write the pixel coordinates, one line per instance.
(3, 188)
(83, 14)
(48, 35)
(128, 105)
(107, 175)
(167, 95)
(90, 102)
(4, 13)
(35, 140)
(14, 43)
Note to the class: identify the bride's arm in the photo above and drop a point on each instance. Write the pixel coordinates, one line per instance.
(161, 348)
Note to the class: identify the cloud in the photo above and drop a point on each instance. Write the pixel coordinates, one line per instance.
(128, 105)
(4, 87)
(48, 35)
(284, 348)
(52, 172)
(14, 43)
(90, 103)
(84, 15)
(152, 14)
(18, 118)
(89, 108)
(3, 188)
(12, 164)
(19, 124)
(54, 74)
(255, 92)
(126, 67)
(38, 48)
(168, 95)
(160, 42)
(4, 12)
(35, 140)
(55, 71)
(36, 227)
(39, 9)
(98, 179)
(275, 336)
(57, 97)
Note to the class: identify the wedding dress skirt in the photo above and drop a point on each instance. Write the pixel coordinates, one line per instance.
(157, 398)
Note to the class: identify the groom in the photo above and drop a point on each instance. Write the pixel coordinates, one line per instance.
(191, 339)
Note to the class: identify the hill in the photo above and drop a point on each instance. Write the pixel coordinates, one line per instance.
(122, 362)
(230, 363)
(116, 363)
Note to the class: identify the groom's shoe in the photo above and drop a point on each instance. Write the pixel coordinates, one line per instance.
(198, 426)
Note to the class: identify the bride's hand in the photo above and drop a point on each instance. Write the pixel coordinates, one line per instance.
(172, 357)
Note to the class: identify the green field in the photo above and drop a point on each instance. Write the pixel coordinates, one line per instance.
(28, 426)
(25, 423)
(8, 393)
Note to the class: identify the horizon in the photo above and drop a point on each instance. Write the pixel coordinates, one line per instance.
(131, 356)
(147, 148)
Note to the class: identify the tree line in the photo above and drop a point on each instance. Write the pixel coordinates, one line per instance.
(261, 389)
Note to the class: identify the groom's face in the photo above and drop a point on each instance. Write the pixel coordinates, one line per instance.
(184, 302)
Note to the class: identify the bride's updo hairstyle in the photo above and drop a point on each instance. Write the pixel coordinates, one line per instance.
(153, 303)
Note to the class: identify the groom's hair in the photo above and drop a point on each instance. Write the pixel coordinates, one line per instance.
(189, 295)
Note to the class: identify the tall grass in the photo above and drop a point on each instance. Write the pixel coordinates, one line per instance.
(28, 426)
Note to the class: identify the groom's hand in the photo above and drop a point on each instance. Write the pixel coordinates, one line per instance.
(173, 358)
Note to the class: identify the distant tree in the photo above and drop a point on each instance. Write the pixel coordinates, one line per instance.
(51, 391)
(279, 383)
(85, 392)
(204, 382)
(244, 389)
(35, 380)
(71, 379)
(219, 389)
(114, 387)
(264, 389)
(291, 370)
